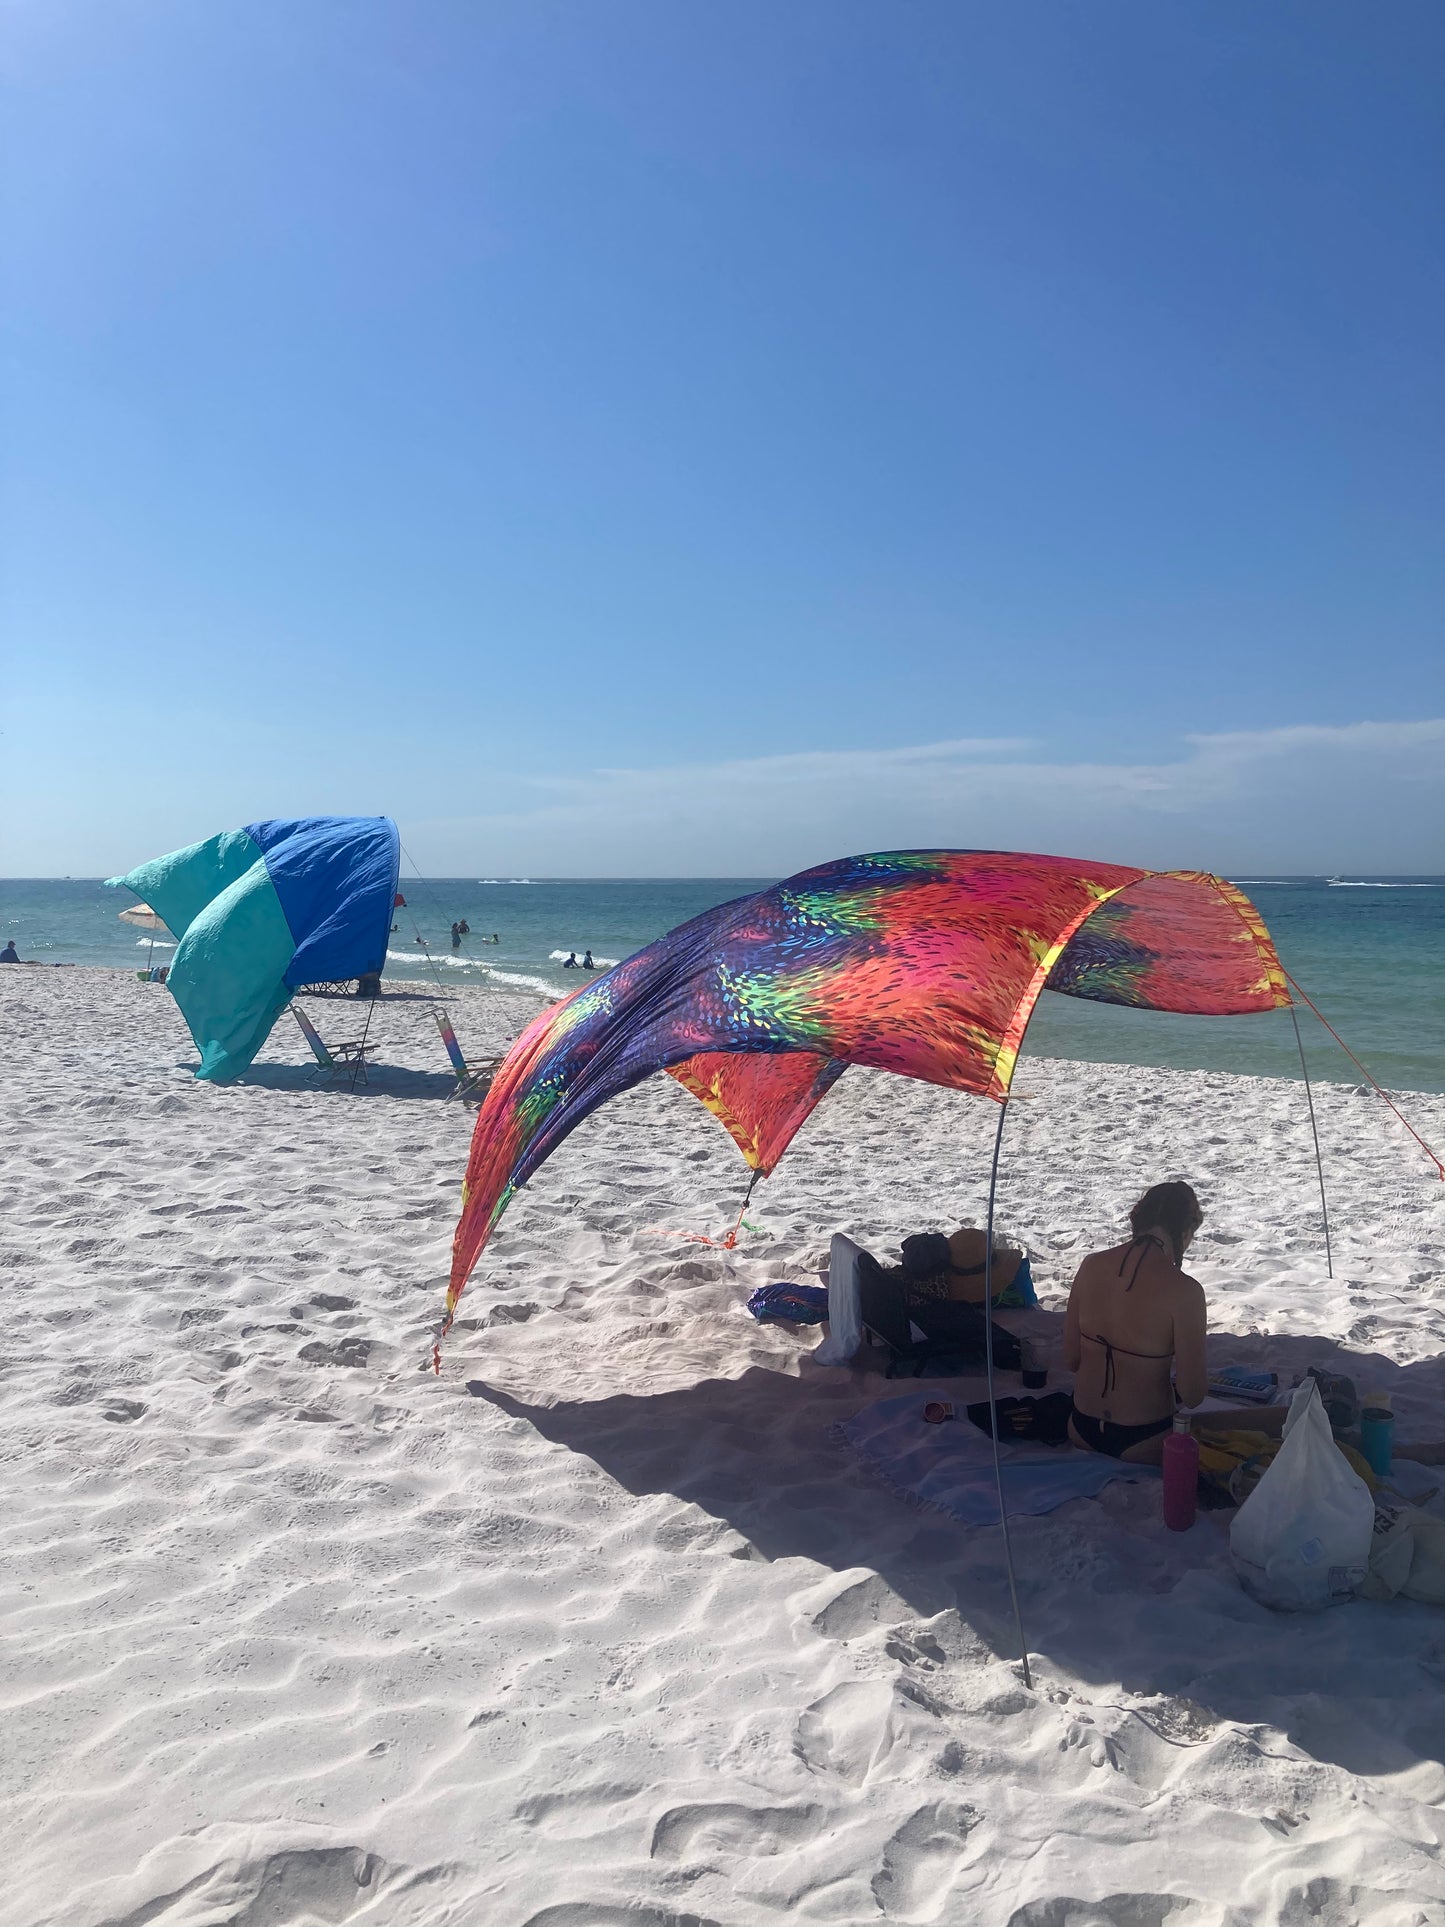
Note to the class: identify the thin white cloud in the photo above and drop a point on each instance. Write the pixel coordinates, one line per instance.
(1307, 798)
(1347, 739)
(820, 763)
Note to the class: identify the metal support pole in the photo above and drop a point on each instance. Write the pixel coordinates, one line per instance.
(992, 1407)
(1315, 1134)
(358, 1067)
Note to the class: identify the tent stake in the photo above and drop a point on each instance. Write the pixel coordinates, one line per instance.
(1315, 1133)
(1008, 1558)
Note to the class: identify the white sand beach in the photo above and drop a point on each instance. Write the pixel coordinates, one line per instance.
(605, 1627)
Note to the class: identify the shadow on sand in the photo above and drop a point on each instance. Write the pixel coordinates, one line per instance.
(383, 1080)
(1107, 1593)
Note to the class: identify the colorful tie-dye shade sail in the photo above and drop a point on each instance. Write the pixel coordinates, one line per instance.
(924, 962)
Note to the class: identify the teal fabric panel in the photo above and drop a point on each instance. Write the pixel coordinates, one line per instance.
(179, 886)
(229, 970)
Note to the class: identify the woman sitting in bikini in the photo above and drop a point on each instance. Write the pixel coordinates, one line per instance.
(1134, 1315)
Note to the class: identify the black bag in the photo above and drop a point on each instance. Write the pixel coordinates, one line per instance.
(954, 1334)
(925, 1254)
(1043, 1421)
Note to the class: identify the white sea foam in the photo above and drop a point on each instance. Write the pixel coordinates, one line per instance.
(1345, 883)
(159, 943)
(504, 880)
(518, 981)
(434, 957)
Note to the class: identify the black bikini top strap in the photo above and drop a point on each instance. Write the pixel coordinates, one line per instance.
(1142, 1240)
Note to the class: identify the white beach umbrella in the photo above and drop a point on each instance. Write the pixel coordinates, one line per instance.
(143, 917)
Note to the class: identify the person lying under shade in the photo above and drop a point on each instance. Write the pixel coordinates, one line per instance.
(954, 1269)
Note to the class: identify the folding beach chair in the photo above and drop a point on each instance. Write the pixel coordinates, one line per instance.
(472, 1079)
(954, 1334)
(339, 1060)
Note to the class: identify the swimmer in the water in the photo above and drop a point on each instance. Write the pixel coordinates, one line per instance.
(587, 963)
(571, 963)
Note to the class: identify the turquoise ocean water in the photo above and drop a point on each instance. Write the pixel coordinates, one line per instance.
(1368, 950)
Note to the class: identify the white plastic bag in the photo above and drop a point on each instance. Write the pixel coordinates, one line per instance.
(1301, 1540)
(845, 1310)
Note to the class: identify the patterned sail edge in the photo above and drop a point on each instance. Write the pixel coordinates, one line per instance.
(760, 1101)
(1175, 940)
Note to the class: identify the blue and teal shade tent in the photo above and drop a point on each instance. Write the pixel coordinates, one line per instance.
(259, 911)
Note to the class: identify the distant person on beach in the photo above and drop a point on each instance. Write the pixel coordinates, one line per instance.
(571, 963)
(587, 963)
(8, 954)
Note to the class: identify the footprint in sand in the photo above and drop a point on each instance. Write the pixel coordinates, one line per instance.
(726, 1828)
(582, 1813)
(921, 1861)
(591, 1913)
(350, 1351)
(1117, 1910)
(321, 1884)
(122, 1411)
(848, 1732)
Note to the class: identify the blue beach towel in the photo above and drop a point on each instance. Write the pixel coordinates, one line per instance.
(950, 1466)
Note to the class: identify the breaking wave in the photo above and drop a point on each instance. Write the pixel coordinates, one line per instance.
(433, 957)
(515, 980)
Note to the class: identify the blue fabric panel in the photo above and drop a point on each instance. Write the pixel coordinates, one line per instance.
(335, 878)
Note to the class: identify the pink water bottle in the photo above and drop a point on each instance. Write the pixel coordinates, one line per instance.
(1181, 1475)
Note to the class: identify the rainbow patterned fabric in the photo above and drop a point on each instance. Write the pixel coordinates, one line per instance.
(924, 962)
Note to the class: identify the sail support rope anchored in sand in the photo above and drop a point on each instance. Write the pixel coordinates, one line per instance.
(1430, 1153)
(728, 1242)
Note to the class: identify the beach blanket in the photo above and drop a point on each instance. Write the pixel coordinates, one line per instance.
(951, 1466)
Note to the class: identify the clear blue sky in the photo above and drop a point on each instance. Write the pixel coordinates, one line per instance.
(623, 438)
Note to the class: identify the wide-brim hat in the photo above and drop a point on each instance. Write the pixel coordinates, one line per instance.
(967, 1249)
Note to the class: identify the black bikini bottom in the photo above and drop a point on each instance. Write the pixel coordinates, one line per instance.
(1102, 1435)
